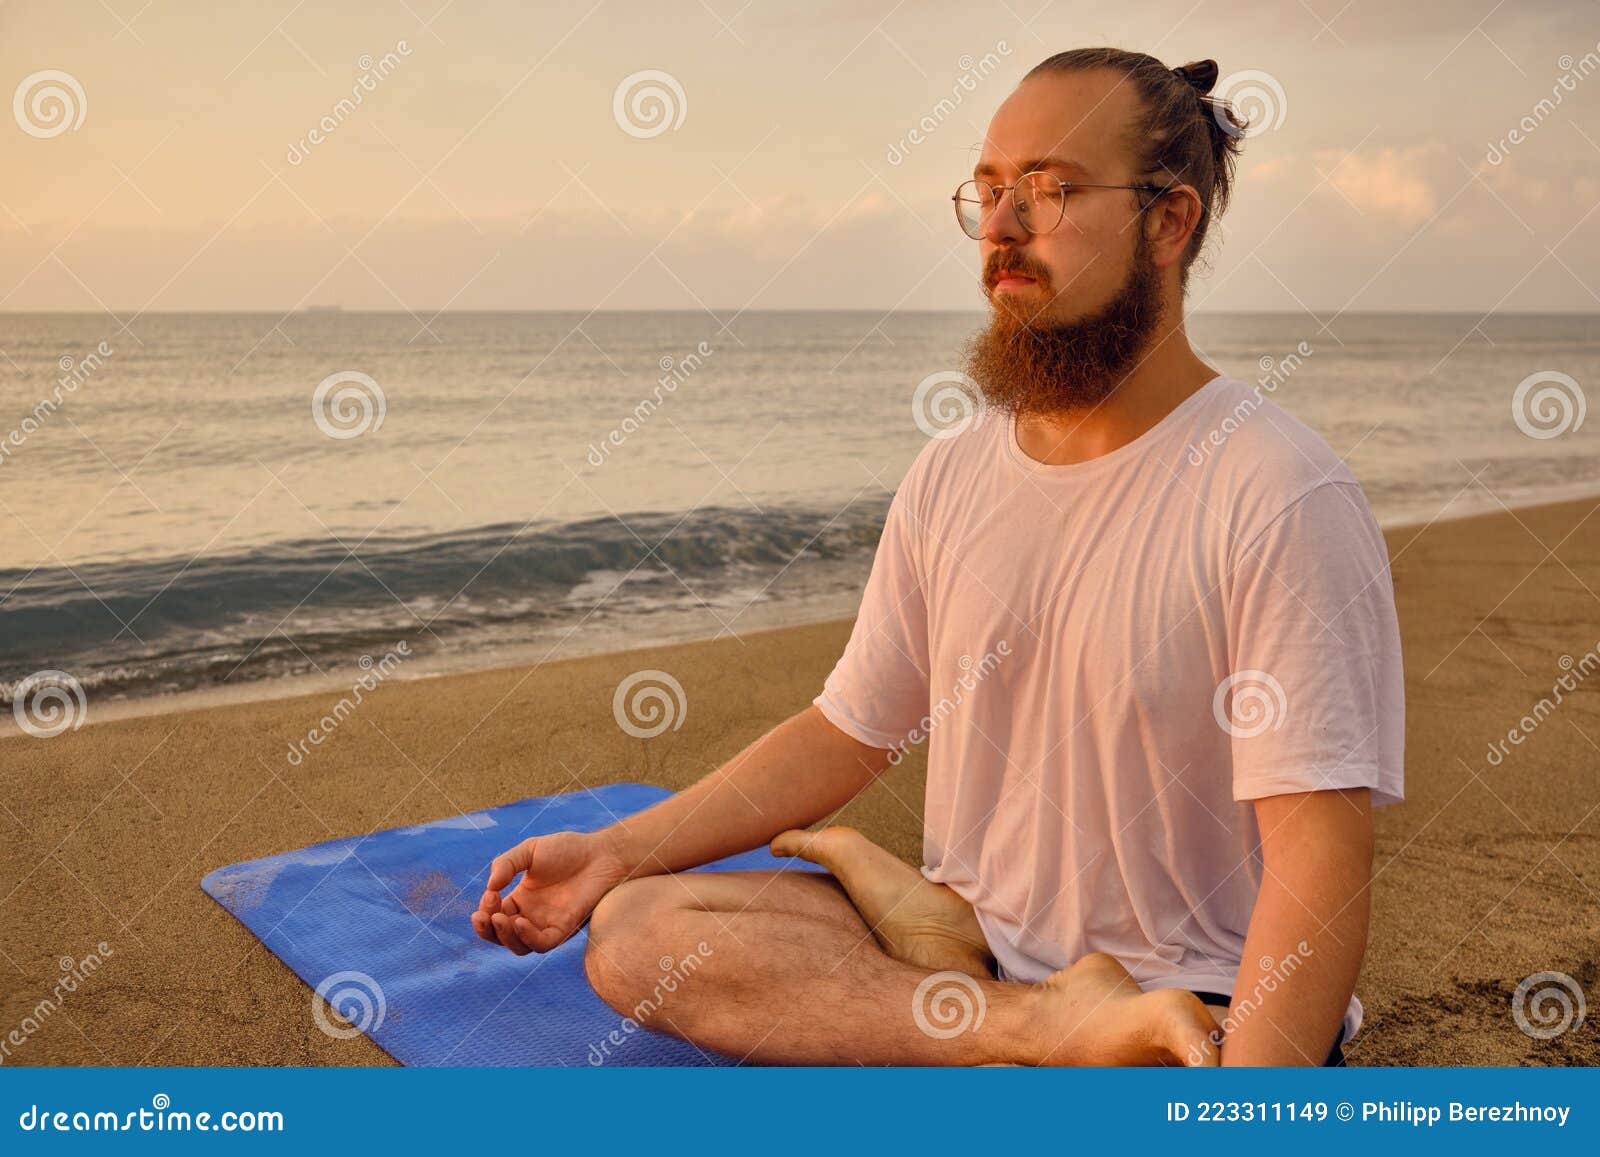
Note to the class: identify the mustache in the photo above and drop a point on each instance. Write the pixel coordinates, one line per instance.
(1003, 262)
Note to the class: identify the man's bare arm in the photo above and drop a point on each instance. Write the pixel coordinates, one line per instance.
(1309, 929)
(791, 777)
(800, 771)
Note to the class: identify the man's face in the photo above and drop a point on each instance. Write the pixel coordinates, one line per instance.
(1075, 308)
(1072, 125)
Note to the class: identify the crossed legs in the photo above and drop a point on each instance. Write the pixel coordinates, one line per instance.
(871, 964)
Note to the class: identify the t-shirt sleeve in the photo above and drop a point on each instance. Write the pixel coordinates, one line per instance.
(878, 691)
(1315, 697)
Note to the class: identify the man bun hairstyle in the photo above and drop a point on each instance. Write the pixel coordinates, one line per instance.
(1184, 135)
(1200, 75)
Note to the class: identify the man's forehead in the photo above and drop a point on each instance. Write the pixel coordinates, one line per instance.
(1075, 122)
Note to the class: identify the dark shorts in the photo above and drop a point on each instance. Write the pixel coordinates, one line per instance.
(1335, 1058)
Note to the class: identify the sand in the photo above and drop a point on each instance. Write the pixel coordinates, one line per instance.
(1486, 874)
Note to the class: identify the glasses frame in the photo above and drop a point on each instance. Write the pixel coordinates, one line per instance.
(1000, 191)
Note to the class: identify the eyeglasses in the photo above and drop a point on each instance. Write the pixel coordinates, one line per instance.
(1040, 201)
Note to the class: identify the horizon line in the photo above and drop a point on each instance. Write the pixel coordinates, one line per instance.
(331, 310)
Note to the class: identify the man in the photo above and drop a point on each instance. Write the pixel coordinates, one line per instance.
(1145, 618)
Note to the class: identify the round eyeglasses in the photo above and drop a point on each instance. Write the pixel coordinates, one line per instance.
(1040, 201)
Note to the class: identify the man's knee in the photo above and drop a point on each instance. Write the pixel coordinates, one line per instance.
(629, 930)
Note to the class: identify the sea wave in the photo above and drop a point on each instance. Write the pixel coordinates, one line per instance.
(166, 624)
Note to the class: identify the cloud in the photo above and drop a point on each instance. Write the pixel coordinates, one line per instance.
(1392, 184)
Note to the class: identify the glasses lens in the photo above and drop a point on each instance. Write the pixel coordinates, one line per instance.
(1040, 201)
(971, 199)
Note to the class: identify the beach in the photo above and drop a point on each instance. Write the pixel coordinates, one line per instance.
(1487, 874)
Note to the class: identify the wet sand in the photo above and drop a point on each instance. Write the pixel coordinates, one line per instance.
(1486, 875)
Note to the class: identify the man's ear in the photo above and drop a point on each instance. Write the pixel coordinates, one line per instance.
(1170, 222)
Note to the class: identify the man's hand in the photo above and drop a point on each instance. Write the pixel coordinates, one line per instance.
(563, 877)
(801, 770)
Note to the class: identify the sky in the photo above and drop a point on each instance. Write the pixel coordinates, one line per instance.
(1420, 156)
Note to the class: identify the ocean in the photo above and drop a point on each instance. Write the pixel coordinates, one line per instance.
(237, 503)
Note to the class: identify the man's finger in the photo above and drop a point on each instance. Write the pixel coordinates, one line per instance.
(482, 926)
(539, 939)
(507, 865)
(508, 935)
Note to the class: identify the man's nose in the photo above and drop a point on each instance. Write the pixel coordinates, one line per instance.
(1003, 226)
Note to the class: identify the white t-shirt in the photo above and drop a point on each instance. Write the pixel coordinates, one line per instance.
(1111, 659)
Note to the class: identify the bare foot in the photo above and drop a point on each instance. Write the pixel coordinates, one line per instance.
(914, 920)
(1094, 1014)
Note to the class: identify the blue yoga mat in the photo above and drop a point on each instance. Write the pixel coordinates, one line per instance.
(378, 924)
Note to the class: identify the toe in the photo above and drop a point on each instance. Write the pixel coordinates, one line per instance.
(829, 847)
(792, 844)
